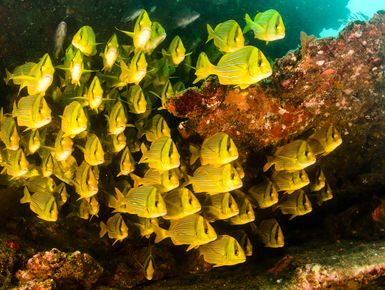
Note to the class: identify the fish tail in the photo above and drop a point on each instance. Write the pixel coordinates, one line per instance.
(103, 229)
(137, 179)
(9, 76)
(248, 23)
(14, 109)
(144, 150)
(210, 31)
(194, 150)
(160, 233)
(268, 164)
(204, 68)
(27, 196)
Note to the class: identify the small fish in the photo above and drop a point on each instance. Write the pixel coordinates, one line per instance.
(155, 128)
(166, 94)
(214, 180)
(94, 96)
(146, 226)
(290, 181)
(220, 206)
(74, 120)
(142, 31)
(32, 112)
(325, 140)
(61, 189)
(266, 26)
(145, 201)
(158, 35)
(40, 184)
(295, 204)
(47, 165)
(246, 212)
(162, 155)
(41, 203)
(17, 164)
(127, 163)
(184, 17)
(86, 182)
(117, 201)
(192, 230)
(76, 68)
(163, 180)
(224, 251)
(93, 151)
(244, 240)
(65, 169)
(322, 195)
(294, 156)
(135, 71)
(111, 53)
(60, 35)
(176, 51)
(8, 133)
(133, 12)
(133, 141)
(84, 40)
(180, 203)
(117, 120)
(148, 267)
(33, 142)
(265, 194)
(119, 142)
(271, 233)
(242, 68)
(136, 100)
(217, 150)
(21, 75)
(319, 182)
(116, 228)
(63, 147)
(228, 36)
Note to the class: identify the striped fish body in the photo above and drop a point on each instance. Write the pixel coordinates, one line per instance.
(322, 195)
(214, 180)
(74, 120)
(63, 147)
(158, 34)
(163, 180)
(93, 151)
(41, 203)
(271, 234)
(246, 212)
(118, 142)
(65, 169)
(127, 163)
(76, 68)
(86, 182)
(220, 206)
(32, 112)
(266, 26)
(43, 72)
(319, 181)
(325, 140)
(136, 100)
(47, 165)
(290, 181)
(17, 164)
(146, 226)
(218, 149)
(176, 51)
(227, 36)
(110, 53)
(22, 74)
(135, 71)
(84, 40)
(295, 204)
(155, 128)
(145, 201)
(224, 251)
(265, 194)
(180, 203)
(163, 154)
(142, 30)
(8, 133)
(95, 94)
(193, 230)
(117, 119)
(33, 142)
(116, 228)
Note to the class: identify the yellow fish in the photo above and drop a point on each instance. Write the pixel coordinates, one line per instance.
(47, 165)
(176, 51)
(290, 181)
(65, 169)
(155, 128)
(325, 140)
(32, 112)
(135, 71)
(41, 203)
(148, 267)
(127, 163)
(142, 31)
(17, 164)
(118, 142)
(145, 201)
(84, 40)
(86, 182)
(158, 34)
(61, 189)
(244, 241)
(324, 194)
(219, 207)
(217, 150)
(117, 202)
(117, 120)
(76, 68)
(116, 228)
(180, 203)
(224, 251)
(265, 194)
(74, 120)
(246, 212)
(295, 204)
(319, 182)
(228, 36)
(294, 156)
(266, 26)
(93, 151)
(192, 230)
(63, 147)
(162, 155)
(136, 100)
(214, 180)
(8, 133)
(111, 53)
(163, 180)
(242, 68)
(33, 142)
(146, 226)
(94, 96)
(271, 233)
(40, 183)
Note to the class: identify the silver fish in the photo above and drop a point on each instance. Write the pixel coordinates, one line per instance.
(60, 35)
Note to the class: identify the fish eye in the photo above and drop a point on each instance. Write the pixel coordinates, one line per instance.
(156, 203)
(300, 175)
(206, 228)
(307, 153)
(190, 200)
(236, 251)
(259, 62)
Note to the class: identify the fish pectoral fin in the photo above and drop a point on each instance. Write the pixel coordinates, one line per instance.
(192, 246)
(293, 216)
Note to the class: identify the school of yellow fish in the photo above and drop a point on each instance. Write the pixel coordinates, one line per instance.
(110, 127)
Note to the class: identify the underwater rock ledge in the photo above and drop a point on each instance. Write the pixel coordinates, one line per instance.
(328, 80)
